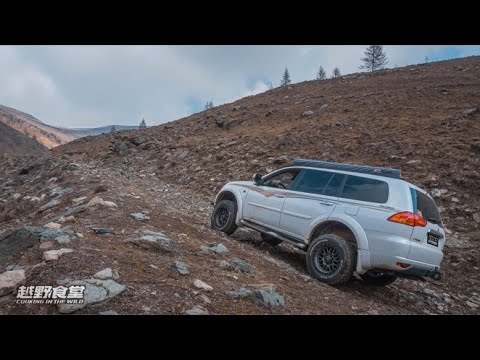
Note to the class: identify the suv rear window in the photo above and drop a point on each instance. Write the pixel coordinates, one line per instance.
(365, 189)
(426, 206)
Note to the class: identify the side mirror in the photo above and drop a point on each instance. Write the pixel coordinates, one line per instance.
(257, 179)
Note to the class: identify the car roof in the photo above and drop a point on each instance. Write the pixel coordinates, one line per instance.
(378, 177)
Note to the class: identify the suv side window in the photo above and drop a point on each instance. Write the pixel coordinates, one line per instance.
(283, 180)
(313, 181)
(334, 185)
(365, 189)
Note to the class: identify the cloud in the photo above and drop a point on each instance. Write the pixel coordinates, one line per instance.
(85, 86)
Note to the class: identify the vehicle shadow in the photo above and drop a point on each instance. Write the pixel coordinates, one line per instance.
(294, 257)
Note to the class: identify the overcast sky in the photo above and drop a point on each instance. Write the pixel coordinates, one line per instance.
(89, 86)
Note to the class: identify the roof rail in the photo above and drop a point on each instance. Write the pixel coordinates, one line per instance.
(381, 171)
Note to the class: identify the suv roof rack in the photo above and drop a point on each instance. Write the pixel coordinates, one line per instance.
(381, 171)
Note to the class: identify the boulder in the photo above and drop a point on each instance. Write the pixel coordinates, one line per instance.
(95, 291)
(153, 240)
(269, 298)
(22, 238)
(139, 140)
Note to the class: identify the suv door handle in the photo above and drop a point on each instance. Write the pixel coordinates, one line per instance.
(328, 203)
(279, 196)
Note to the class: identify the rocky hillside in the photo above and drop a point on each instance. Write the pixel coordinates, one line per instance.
(12, 141)
(138, 204)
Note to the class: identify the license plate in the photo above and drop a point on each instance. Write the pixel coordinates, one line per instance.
(432, 239)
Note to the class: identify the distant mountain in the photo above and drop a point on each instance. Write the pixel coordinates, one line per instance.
(13, 141)
(46, 135)
(81, 132)
(30, 126)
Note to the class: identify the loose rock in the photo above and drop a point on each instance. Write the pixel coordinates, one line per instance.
(270, 299)
(182, 268)
(53, 255)
(154, 240)
(196, 310)
(199, 284)
(11, 280)
(95, 291)
(216, 248)
(242, 293)
(108, 312)
(107, 273)
(242, 265)
(140, 216)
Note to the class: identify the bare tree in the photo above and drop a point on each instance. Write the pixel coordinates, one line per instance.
(321, 75)
(208, 105)
(375, 58)
(143, 124)
(270, 85)
(336, 72)
(113, 129)
(285, 78)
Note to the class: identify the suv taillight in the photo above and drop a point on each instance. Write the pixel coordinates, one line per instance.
(408, 218)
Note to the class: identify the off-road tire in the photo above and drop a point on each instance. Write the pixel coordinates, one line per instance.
(378, 280)
(270, 240)
(343, 254)
(219, 221)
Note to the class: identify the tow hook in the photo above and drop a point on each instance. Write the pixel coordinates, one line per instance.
(435, 275)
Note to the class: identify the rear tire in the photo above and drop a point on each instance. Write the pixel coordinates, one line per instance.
(331, 259)
(270, 240)
(378, 278)
(223, 217)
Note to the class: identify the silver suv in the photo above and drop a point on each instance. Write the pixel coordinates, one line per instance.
(346, 217)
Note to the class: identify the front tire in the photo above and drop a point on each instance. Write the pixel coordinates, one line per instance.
(331, 259)
(223, 217)
(378, 278)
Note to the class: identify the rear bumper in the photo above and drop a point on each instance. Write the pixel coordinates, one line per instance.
(415, 268)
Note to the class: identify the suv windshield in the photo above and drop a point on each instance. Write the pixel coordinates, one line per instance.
(424, 206)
